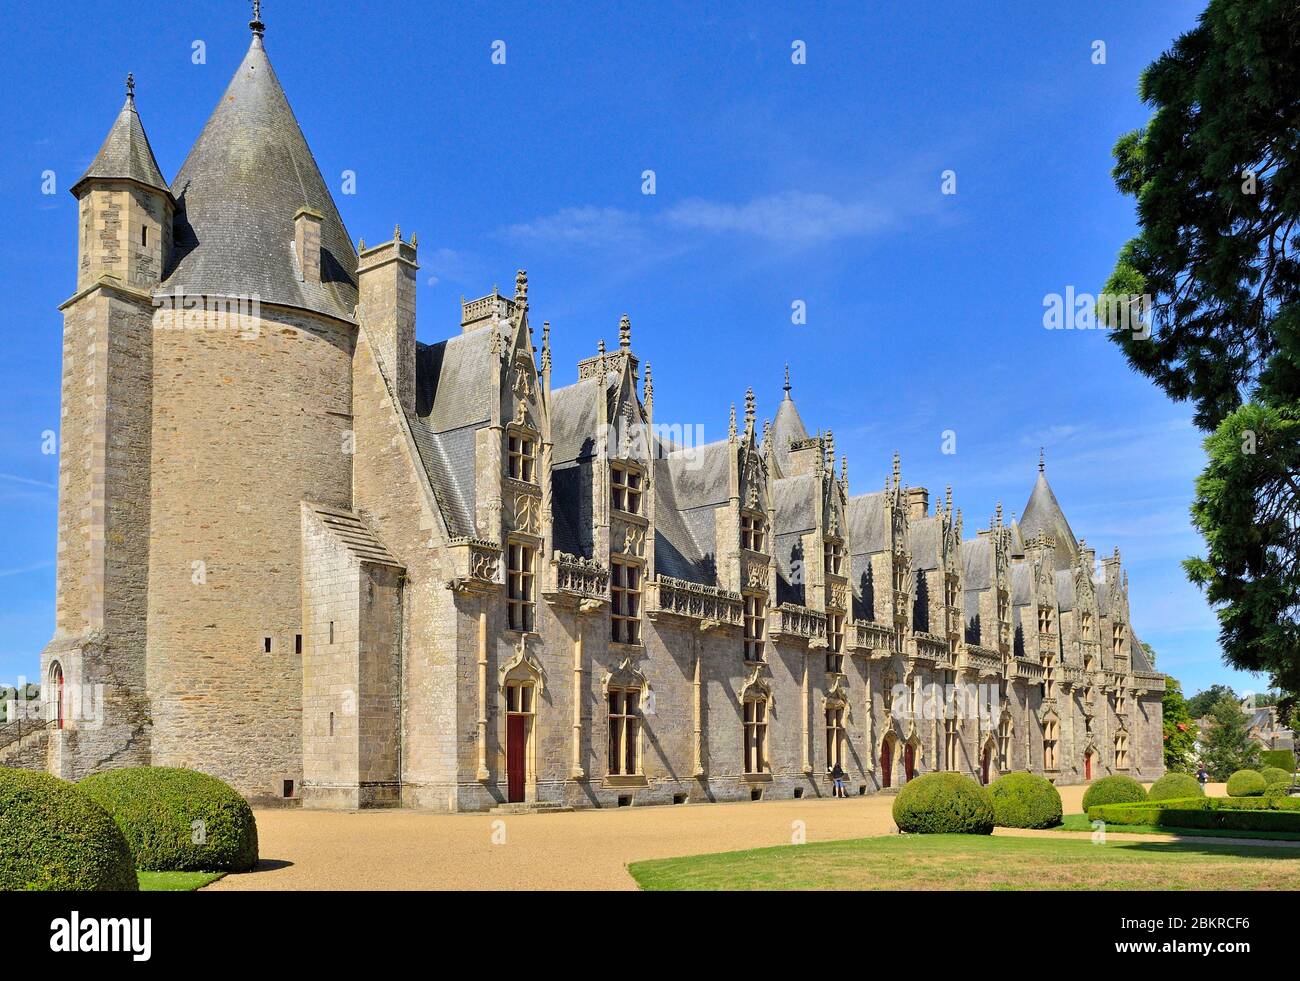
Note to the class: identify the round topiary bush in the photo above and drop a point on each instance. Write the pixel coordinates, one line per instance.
(1173, 786)
(1278, 789)
(944, 803)
(1023, 800)
(1246, 783)
(1115, 789)
(1273, 774)
(178, 820)
(52, 836)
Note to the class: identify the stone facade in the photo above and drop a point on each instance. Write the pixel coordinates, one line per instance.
(307, 554)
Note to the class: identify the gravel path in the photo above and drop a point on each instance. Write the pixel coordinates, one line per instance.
(401, 849)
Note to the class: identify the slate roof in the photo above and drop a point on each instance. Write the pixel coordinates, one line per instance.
(867, 518)
(1022, 581)
(1065, 596)
(977, 563)
(126, 153)
(245, 178)
(786, 426)
(1043, 514)
(926, 542)
(680, 551)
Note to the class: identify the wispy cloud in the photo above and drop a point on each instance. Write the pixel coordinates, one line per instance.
(28, 481)
(586, 227)
(22, 570)
(789, 217)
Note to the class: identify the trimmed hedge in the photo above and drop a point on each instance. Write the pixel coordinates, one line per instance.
(1196, 813)
(1283, 759)
(1279, 788)
(944, 803)
(1274, 774)
(54, 837)
(1246, 783)
(178, 820)
(1175, 785)
(1115, 789)
(1024, 800)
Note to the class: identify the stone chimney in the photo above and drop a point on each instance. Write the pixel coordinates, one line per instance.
(306, 244)
(386, 310)
(918, 503)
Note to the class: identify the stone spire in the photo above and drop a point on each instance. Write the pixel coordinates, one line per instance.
(126, 153)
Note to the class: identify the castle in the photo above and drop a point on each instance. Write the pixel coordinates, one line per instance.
(306, 553)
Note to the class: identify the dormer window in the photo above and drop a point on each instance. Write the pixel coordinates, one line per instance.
(755, 618)
(1117, 640)
(752, 532)
(835, 643)
(625, 487)
(833, 553)
(522, 458)
(1085, 626)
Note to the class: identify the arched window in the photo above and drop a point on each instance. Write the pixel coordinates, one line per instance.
(56, 683)
(1004, 745)
(1121, 751)
(834, 734)
(1051, 730)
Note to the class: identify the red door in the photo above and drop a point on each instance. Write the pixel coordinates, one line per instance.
(886, 765)
(984, 766)
(516, 740)
(1087, 767)
(909, 760)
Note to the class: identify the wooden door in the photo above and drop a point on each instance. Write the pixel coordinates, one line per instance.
(1087, 767)
(887, 764)
(516, 756)
(984, 765)
(909, 761)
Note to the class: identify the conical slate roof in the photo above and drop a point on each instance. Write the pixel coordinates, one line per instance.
(1043, 514)
(247, 175)
(126, 153)
(786, 426)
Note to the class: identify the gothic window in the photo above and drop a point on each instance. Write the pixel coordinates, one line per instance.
(625, 594)
(1051, 729)
(752, 532)
(1044, 619)
(1117, 640)
(624, 731)
(519, 697)
(1121, 751)
(834, 736)
(519, 586)
(625, 487)
(522, 458)
(1049, 676)
(755, 615)
(951, 743)
(835, 643)
(1004, 746)
(1085, 626)
(1121, 700)
(950, 591)
(833, 553)
(1004, 612)
(756, 734)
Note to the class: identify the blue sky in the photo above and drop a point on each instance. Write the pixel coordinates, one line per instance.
(775, 183)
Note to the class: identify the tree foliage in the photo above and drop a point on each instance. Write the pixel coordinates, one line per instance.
(1179, 730)
(1227, 747)
(1216, 177)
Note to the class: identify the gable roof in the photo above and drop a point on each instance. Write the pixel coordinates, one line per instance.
(246, 177)
(126, 154)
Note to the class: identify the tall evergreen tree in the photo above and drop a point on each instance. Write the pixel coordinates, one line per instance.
(1216, 177)
(1228, 746)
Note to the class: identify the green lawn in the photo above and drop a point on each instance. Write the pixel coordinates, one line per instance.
(979, 862)
(175, 881)
(1080, 822)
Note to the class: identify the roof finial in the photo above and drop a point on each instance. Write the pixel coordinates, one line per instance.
(546, 345)
(521, 286)
(397, 233)
(624, 332)
(649, 386)
(731, 430)
(130, 87)
(787, 379)
(830, 451)
(898, 468)
(1041, 465)
(947, 500)
(256, 25)
(749, 410)
(998, 512)
(767, 432)
(844, 470)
